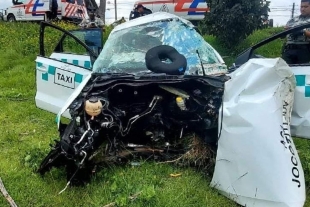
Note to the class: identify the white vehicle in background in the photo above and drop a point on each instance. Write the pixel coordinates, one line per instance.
(41, 10)
(192, 10)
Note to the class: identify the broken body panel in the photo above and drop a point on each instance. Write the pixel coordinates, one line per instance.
(257, 163)
(300, 122)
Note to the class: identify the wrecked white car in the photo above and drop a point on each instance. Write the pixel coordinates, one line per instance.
(157, 87)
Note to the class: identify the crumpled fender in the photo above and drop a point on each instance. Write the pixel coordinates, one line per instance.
(257, 163)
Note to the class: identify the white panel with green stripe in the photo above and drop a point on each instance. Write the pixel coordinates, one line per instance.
(78, 60)
(301, 81)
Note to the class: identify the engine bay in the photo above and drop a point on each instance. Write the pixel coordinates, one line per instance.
(128, 118)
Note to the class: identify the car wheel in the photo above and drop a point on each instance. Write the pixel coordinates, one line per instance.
(11, 18)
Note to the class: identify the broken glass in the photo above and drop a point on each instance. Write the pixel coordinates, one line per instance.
(125, 49)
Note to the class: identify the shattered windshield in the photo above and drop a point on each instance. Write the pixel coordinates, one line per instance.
(125, 50)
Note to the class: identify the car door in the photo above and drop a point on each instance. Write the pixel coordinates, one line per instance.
(20, 13)
(66, 50)
(19, 9)
(58, 74)
(36, 10)
(300, 119)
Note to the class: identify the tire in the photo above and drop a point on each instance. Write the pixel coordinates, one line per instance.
(154, 56)
(11, 18)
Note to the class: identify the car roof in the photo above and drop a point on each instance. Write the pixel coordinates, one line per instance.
(157, 16)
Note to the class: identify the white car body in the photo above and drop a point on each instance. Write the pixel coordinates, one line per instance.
(186, 9)
(300, 123)
(36, 10)
(257, 163)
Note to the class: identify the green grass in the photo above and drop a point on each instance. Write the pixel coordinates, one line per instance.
(272, 49)
(26, 132)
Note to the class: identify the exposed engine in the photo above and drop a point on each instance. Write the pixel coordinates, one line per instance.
(128, 117)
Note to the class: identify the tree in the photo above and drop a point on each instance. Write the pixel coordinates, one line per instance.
(101, 10)
(233, 20)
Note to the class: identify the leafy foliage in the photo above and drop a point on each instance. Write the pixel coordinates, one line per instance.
(24, 37)
(233, 20)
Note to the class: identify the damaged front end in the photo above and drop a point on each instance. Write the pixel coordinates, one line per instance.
(121, 117)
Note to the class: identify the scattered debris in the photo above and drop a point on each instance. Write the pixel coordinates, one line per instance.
(175, 175)
(6, 195)
(133, 197)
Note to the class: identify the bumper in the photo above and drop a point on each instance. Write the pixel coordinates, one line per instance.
(4, 17)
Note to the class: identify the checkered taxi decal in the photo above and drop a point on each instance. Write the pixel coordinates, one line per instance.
(51, 69)
(301, 81)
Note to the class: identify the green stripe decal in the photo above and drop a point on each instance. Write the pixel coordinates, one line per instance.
(45, 76)
(300, 80)
(75, 62)
(78, 78)
(51, 70)
(87, 64)
(307, 91)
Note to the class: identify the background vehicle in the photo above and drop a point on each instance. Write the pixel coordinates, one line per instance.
(192, 10)
(40, 10)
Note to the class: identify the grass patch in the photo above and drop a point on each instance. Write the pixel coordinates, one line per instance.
(272, 49)
(26, 132)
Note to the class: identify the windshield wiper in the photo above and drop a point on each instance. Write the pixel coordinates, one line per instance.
(203, 69)
(114, 74)
(107, 76)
